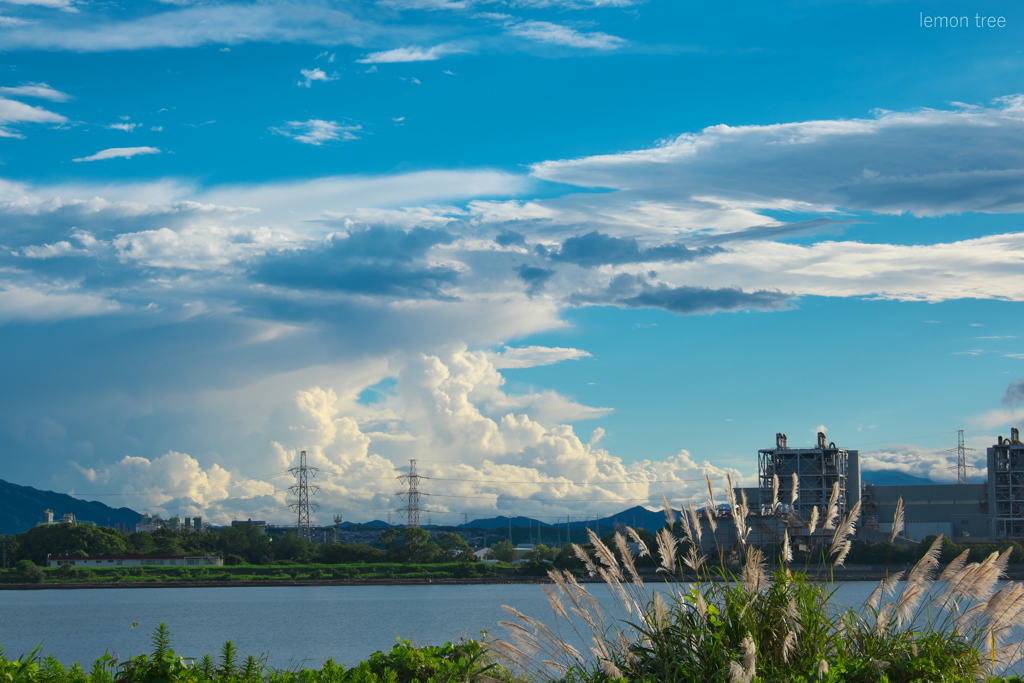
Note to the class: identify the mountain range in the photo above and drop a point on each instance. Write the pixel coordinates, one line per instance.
(22, 507)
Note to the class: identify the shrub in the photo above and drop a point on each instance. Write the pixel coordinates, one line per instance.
(771, 627)
(29, 572)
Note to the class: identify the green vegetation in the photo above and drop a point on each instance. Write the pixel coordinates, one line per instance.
(240, 545)
(464, 662)
(753, 625)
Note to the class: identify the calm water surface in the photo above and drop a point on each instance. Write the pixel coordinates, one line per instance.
(292, 626)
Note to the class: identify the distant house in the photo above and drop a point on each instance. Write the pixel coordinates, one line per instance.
(110, 561)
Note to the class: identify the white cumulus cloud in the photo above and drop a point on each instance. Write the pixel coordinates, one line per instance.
(310, 75)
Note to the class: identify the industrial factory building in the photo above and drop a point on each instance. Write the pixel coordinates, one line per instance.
(964, 512)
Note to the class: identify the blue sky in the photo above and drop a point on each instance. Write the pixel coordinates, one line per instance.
(570, 254)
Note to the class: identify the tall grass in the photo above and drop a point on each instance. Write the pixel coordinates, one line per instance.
(753, 624)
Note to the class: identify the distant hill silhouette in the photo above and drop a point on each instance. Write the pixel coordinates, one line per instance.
(374, 523)
(894, 478)
(502, 523)
(22, 507)
(637, 517)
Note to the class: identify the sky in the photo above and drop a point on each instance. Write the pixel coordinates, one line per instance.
(570, 255)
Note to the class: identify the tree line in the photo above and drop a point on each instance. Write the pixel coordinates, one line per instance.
(237, 545)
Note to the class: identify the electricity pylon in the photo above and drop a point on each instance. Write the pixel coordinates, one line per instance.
(411, 495)
(303, 489)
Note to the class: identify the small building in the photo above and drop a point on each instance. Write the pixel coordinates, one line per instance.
(69, 518)
(112, 561)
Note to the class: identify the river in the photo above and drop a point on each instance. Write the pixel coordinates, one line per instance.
(292, 626)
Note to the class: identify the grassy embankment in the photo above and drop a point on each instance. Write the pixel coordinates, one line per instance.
(270, 573)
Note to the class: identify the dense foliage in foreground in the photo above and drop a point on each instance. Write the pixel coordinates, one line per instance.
(761, 626)
(464, 662)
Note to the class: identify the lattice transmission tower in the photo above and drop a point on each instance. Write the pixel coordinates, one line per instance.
(412, 495)
(303, 489)
(961, 458)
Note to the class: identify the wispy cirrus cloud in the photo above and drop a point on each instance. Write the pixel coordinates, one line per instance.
(65, 5)
(559, 34)
(38, 90)
(120, 153)
(411, 54)
(199, 24)
(14, 112)
(318, 131)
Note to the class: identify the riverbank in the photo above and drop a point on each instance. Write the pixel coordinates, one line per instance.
(814, 574)
(72, 585)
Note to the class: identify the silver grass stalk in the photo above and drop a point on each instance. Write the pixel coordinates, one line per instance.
(627, 559)
(604, 554)
(712, 522)
(788, 645)
(840, 539)
(884, 618)
(660, 614)
(684, 522)
(922, 571)
(754, 578)
(885, 587)
(832, 511)
(957, 582)
(987, 576)
(793, 612)
(583, 557)
(698, 533)
(1003, 608)
(814, 521)
(711, 491)
(557, 606)
(897, 521)
(667, 543)
(644, 550)
(793, 491)
(842, 551)
(775, 492)
(693, 559)
(954, 567)
(702, 605)
(740, 518)
(787, 551)
(907, 603)
(744, 673)
(611, 670)
(670, 514)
